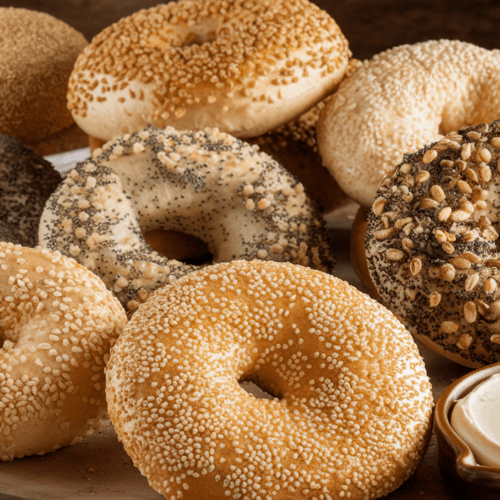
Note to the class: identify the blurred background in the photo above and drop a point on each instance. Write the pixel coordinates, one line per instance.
(370, 25)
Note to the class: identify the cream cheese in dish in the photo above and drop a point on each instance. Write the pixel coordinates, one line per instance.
(476, 419)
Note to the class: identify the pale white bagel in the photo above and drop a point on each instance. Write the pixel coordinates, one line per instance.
(245, 67)
(401, 100)
(241, 203)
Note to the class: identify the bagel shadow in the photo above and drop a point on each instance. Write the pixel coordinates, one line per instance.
(97, 466)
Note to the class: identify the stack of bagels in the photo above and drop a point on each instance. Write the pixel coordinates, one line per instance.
(188, 255)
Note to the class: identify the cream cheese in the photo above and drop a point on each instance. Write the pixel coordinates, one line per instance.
(476, 419)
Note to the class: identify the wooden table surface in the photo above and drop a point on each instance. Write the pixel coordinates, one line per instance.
(98, 467)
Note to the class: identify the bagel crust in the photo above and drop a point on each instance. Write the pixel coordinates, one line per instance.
(431, 244)
(239, 202)
(399, 101)
(57, 325)
(244, 66)
(26, 182)
(352, 406)
(293, 145)
(7, 234)
(37, 54)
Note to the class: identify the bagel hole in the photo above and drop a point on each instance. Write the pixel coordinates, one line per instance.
(199, 38)
(259, 389)
(179, 246)
(204, 31)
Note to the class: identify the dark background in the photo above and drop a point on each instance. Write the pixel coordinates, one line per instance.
(370, 25)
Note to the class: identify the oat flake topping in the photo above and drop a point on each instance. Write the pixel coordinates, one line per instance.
(432, 244)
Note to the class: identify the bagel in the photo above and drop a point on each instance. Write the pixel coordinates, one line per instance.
(7, 234)
(57, 325)
(431, 244)
(26, 182)
(239, 202)
(245, 67)
(399, 101)
(294, 146)
(358, 253)
(352, 407)
(37, 55)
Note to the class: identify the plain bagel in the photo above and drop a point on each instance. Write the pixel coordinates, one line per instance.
(245, 67)
(399, 101)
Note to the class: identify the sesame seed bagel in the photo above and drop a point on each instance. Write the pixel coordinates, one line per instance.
(352, 406)
(431, 244)
(26, 182)
(241, 203)
(37, 55)
(57, 325)
(244, 66)
(399, 101)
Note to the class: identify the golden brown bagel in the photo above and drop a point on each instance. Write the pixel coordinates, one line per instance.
(245, 67)
(57, 325)
(37, 55)
(352, 408)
